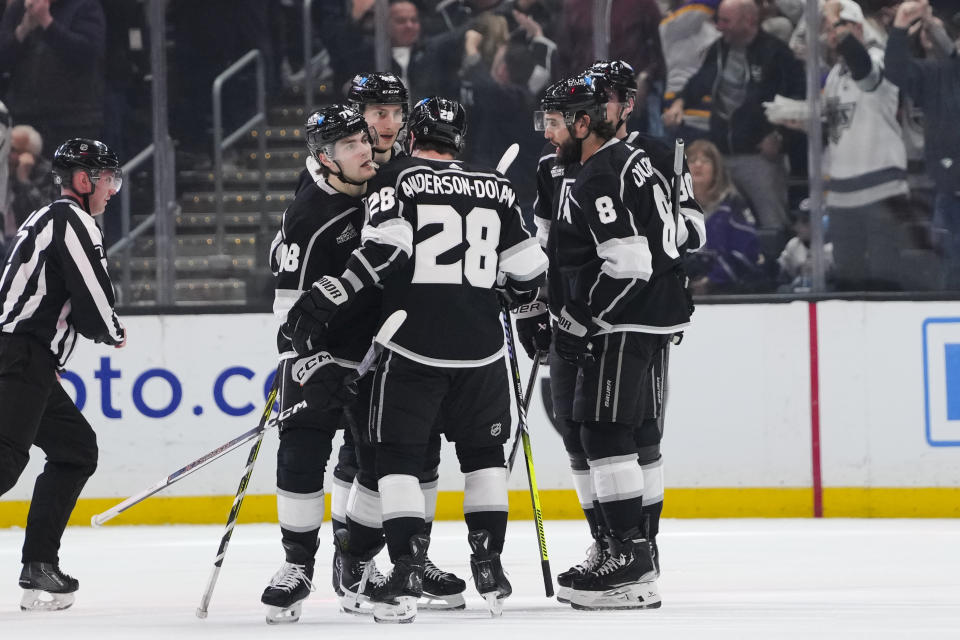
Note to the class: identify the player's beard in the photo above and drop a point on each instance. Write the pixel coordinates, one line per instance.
(568, 152)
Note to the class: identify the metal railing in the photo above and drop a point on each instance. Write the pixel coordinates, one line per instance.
(308, 55)
(127, 236)
(221, 144)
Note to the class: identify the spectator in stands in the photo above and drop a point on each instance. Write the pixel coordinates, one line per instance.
(686, 34)
(499, 101)
(427, 65)
(634, 38)
(934, 84)
(741, 71)
(795, 263)
(730, 261)
(30, 185)
(54, 51)
(865, 158)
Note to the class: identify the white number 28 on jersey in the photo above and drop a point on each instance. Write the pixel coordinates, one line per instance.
(479, 264)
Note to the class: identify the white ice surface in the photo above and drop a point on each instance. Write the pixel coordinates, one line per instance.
(722, 579)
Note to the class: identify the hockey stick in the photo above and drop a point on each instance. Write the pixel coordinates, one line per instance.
(238, 500)
(526, 407)
(191, 467)
(527, 451)
(389, 327)
(508, 157)
(677, 177)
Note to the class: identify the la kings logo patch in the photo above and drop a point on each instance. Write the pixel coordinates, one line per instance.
(349, 233)
(496, 429)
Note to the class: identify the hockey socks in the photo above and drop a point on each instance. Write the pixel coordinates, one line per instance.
(403, 512)
(618, 481)
(485, 504)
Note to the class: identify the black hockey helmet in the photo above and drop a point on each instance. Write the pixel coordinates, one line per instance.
(327, 125)
(586, 93)
(378, 88)
(439, 120)
(619, 76)
(84, 154)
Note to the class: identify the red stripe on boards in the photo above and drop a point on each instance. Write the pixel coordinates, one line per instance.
(815, 413)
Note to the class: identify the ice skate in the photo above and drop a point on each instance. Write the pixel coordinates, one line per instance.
(359, 576)
(337, 565)
(46, 588)
(396, 602)
(625, 580)
(487, 571)
(286, 592)
(442, 590)
(596, 554)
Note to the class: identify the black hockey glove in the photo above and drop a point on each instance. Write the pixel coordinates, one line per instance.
(515, 297)
(305, 336)
(316, 307)
(533, 328)
(323, 381)
(572, 339)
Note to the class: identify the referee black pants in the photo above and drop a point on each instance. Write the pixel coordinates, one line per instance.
(35, 410)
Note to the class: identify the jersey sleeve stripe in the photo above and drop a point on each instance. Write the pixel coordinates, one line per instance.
(396, 233)
(283, 299)
(625, 258)
(523, 261)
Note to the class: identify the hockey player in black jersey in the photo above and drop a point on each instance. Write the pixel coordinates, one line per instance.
(440, 234)
(618, 258)
(383, 101)
(691, 236)
(318, 233)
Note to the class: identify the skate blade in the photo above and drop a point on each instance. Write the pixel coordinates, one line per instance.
(452, 602)
(39, 600)
(404, 611)
(639, 595)
(494, 604)
(563, 595)
(280, 615)
(354, 605)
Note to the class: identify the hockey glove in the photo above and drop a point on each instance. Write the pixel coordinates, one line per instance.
(304, 336)
(533, 327)
(317, 306)
(572, 340)
(323, 381)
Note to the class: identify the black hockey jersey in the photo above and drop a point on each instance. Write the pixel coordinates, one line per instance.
(553, 181)
(319, 231)
(439, 233)
(618, 253)
(692, 234)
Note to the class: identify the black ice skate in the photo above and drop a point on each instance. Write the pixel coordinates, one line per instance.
(287, 590)
(625, 580)
(359, 576)
(397, 600)
(655, 554)
(442, 590)
(487, 571)
(337, 564)
(46, 588)
(596, 554)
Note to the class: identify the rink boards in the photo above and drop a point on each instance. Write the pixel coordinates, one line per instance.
(747, 433)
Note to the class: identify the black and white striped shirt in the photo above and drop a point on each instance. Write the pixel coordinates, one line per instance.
(55, 282)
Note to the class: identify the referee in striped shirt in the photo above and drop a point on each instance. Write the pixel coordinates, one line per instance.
(54, 286)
